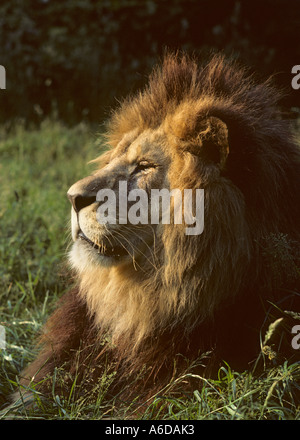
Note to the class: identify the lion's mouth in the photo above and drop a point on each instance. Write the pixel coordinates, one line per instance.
(105, 249)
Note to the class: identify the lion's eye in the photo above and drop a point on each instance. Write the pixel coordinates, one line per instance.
(143, 165)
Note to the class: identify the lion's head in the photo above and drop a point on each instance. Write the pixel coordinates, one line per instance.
(194, 127)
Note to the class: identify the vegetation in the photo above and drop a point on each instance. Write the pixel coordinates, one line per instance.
(37, 168)
(74, 58)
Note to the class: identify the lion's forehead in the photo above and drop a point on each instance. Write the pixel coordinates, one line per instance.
(134, 146)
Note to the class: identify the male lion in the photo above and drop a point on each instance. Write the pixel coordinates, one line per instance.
(149, 295)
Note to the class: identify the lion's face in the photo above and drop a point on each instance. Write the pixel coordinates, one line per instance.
(166, 158)
(143, 162)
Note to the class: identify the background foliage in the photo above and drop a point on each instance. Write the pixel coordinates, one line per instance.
(73, 58)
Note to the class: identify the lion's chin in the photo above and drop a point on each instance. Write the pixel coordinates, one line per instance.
(105, 249)
(84, 255)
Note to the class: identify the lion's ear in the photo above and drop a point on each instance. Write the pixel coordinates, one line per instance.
(206, 137)
(212, 140)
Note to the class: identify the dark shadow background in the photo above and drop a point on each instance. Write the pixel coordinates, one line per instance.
(72, 59)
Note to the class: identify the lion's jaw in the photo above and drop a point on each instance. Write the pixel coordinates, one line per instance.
(96, 246)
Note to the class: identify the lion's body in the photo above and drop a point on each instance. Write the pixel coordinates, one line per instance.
(207, 127)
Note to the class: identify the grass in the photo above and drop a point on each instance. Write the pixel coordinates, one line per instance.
(36, 169)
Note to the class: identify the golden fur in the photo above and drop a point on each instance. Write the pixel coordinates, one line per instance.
(205, 126)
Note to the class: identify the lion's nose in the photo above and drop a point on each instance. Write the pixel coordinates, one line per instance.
(79, 202)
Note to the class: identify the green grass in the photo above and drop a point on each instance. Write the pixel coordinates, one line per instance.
(36, 169)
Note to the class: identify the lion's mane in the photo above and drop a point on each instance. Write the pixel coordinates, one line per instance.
(208, 292)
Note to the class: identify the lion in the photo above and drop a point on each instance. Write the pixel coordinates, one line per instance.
(148, 297)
